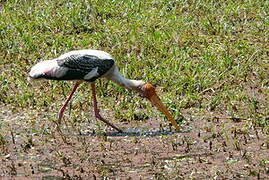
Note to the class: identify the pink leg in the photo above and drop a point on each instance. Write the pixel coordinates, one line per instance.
(96, 110)
(61, 112)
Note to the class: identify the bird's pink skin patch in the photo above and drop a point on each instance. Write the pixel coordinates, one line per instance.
(47, 72)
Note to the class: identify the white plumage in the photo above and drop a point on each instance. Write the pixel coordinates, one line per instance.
(93, 73)
(98, 53)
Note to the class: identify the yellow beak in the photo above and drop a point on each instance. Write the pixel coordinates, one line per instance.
(155, 101)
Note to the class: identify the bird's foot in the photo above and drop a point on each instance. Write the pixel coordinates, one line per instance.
(98, 116)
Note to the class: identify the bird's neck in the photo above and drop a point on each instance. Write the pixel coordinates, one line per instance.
(124, 82)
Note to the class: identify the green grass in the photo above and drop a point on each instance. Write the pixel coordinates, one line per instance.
(205, 56)
(184, 47)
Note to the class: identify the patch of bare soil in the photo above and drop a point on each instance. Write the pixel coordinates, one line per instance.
(207, 147)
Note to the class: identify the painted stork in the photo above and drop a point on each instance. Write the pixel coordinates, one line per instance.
(88, 65)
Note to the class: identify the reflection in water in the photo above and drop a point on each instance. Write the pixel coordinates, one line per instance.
(140, 132)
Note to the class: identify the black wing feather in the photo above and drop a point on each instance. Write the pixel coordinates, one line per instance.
(80, 65)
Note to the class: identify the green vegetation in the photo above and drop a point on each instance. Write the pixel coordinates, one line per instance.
(209, 59)
(204, 55)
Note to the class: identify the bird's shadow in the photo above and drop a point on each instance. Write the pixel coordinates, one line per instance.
(137, 133)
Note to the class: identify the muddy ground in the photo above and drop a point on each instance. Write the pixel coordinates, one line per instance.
(211, 146)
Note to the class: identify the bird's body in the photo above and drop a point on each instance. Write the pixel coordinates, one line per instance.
(89, 65)
(85, 65)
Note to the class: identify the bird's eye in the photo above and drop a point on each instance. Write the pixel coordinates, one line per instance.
(141, 95)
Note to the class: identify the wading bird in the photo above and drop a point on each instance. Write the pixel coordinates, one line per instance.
(88, 65)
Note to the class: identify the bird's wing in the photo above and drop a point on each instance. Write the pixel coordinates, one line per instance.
(84, 67)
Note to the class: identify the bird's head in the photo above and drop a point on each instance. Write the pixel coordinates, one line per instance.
(148, 91)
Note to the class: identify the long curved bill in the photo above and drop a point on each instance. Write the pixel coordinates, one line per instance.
(155, 101)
